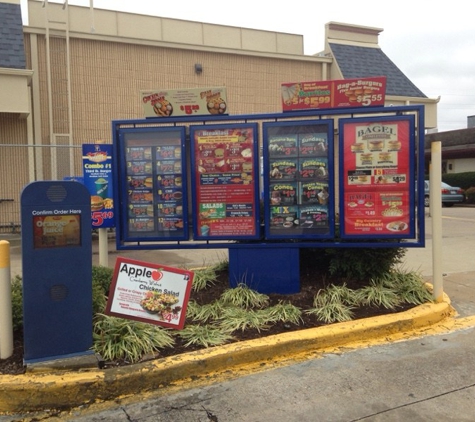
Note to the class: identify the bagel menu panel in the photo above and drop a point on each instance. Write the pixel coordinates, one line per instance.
(376, 190)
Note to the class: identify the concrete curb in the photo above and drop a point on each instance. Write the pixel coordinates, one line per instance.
(65, 390)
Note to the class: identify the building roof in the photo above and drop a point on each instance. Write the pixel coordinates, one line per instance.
(458, 143)
(364, 62)
(452, 138)
(12, 47)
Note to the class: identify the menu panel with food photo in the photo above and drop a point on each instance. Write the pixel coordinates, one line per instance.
(298, 181)
(377, 177)
(283, 146)
(150, 293)
(225, 180)
(154, 198)
(185, 102)
(98, 178)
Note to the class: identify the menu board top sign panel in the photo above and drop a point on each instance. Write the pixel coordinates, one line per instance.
(154, 195)
(377, 180)
(361, 92)
(225, 181)
(298, 179)
(185, 102)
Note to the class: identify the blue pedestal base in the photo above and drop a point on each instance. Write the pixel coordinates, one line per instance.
(266, 270)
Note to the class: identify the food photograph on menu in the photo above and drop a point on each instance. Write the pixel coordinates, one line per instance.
(297, 179)
(225, 181)
(377, 181)
(154, 198)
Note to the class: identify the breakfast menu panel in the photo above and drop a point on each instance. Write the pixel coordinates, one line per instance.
(297, 174)
(225, 181)
(155, 201)
(376, 177)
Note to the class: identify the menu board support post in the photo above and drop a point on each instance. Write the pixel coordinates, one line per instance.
(266, 270)
(103, 247)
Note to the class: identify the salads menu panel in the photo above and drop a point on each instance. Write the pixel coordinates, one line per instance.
(297, 179)
(376, 177)
(155, 194)
(225, 181)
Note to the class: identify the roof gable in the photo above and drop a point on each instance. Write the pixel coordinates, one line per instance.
(12, 47)
(364, 62)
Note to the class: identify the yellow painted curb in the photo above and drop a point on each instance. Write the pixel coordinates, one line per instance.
(64, 390)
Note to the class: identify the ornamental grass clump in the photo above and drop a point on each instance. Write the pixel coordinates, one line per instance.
(333, 304)
(235, 319)
(203, 278)
(204, 335)
(244, 297)
(205, 313)
(410, 287)
(378, 294)
(117, 338)
(284, 312)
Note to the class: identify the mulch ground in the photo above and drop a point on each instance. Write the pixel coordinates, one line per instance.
(310, 281)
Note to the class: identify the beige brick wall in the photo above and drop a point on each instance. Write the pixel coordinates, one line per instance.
(106, 80)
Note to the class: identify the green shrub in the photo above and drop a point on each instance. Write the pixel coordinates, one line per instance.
(17, 303)
(470, 195)
(363, 263)
(101, 280)
(99, 299)
(463, 180)
(102, 276)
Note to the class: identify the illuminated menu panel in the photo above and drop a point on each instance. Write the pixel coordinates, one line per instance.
(225, 181)
(375, 195)
(298, 179)
(155, 193)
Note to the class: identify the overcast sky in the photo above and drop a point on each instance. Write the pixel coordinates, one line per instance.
(431, 41)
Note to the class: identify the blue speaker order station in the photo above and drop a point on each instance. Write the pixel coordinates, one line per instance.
(57, 270)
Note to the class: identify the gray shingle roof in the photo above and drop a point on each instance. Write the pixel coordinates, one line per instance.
(12, 47)
(452, 138)
(364, 62)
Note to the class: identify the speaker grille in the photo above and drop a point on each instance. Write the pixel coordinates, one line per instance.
(58, 292)
(56, 193)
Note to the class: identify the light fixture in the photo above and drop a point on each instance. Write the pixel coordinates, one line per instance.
(198, 68)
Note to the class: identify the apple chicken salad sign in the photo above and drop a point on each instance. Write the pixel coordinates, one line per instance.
(225, 179)
(376, 164)
(149, 293)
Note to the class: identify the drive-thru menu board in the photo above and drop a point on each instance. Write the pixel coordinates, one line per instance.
(298, 178)
(375, 194)
(155, 193)
(225, 181)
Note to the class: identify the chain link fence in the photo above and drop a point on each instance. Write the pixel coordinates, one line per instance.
(23, 164)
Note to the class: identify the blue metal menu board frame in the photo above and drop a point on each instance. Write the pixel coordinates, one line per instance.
(153, 199)
(225, 181)
(377, 181)
(298, 179)
(338, 234)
